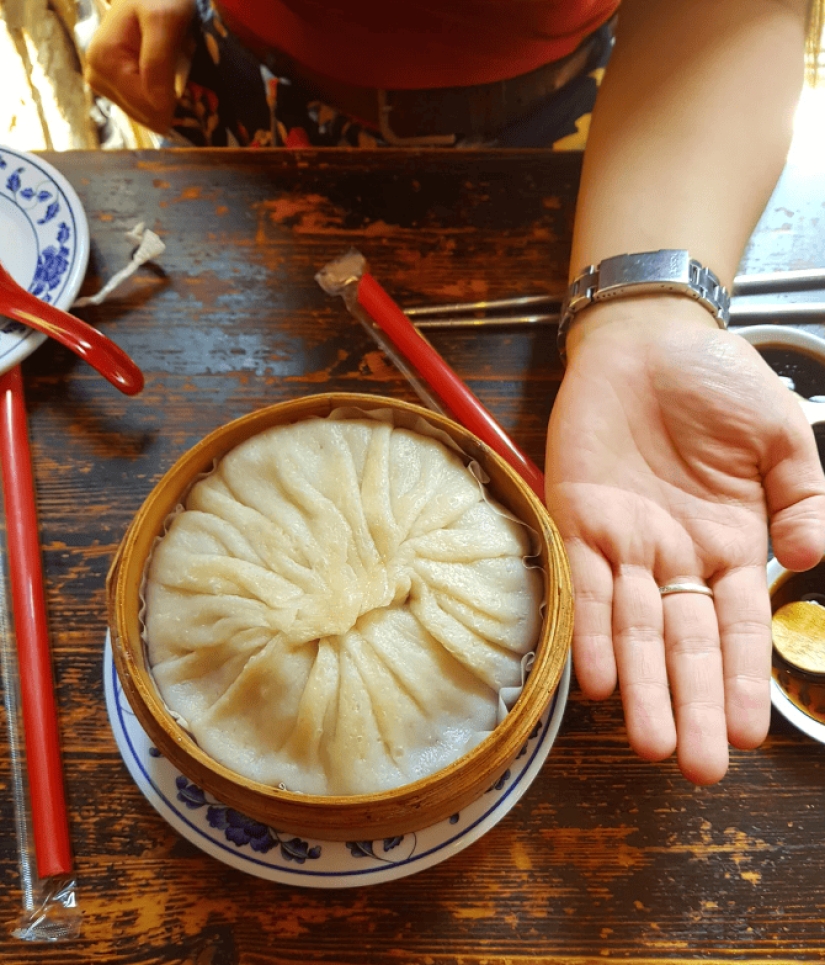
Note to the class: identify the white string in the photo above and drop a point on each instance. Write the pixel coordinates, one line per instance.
(149, 247)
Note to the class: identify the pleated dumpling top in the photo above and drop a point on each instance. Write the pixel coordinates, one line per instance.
(337, 605)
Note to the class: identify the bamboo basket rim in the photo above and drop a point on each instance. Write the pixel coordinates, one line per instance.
(498, 748)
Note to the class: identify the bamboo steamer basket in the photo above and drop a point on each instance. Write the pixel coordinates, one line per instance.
(408, 808)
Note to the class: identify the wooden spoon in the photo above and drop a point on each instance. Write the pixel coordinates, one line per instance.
(91, 345)
(798, 631)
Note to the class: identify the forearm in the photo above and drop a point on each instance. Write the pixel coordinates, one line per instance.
(691, 128)
(670, 442)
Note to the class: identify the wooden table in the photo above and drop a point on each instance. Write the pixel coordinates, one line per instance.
(605, 856)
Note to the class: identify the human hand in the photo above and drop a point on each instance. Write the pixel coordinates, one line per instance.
(134, 55)
(670, 447)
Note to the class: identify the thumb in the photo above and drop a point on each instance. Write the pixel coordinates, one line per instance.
(163, 38)
(795, 490)
(798, 534)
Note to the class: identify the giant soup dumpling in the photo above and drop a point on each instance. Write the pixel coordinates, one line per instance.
(337, 605)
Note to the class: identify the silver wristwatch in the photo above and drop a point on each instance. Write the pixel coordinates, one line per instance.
(666, 270)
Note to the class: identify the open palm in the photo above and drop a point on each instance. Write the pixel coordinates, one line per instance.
(669, 461)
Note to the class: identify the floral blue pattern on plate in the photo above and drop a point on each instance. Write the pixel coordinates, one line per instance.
(250, 846)
(44, 242)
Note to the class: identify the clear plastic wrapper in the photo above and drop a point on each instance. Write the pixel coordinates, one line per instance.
(49, 911)
(49, 901)
(341, 277)
(436, 384)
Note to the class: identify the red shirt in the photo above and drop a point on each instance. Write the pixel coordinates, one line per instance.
(397, 44)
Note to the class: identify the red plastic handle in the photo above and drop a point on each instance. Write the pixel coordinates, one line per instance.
(43, 761)
(91, 345)
(461, 402)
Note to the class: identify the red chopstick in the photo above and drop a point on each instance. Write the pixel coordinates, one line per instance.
(461, 402)
(43, 760)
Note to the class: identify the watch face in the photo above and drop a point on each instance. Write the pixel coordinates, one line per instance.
(665, 270)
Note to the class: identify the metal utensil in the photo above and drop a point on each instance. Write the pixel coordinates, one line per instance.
(503, 312)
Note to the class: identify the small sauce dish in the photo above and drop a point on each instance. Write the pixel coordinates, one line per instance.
(798, 673)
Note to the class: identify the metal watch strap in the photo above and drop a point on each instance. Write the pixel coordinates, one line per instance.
(647, 272)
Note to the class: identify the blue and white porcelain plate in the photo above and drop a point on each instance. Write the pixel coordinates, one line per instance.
(44, 242)
(253, 847)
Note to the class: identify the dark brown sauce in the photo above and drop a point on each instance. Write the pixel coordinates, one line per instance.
(805, 691)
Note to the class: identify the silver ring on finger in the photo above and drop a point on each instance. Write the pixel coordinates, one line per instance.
(685, 586)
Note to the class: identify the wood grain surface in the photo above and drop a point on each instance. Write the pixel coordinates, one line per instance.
(605, 857)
